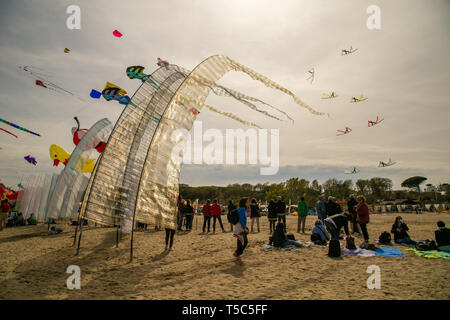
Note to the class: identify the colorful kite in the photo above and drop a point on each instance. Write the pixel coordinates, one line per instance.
(8, 132)
(373, 123)
(30, 159)
(342, 132)
(42, 81)
(382, 164)
(162, 63)
(356, 100)
(136, 72)
(78, 134)
(18, 127)
(58, 154)
(330, 96)
(311, 72)
(353, 171)
(113, 94)
(345, 52)
(95, 94)
(117, 34)
(66, 50)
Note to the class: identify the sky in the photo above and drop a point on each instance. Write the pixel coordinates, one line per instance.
(403, 68)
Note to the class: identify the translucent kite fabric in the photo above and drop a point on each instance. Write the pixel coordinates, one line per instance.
(68, 192)
(137, 175)
(35, 195)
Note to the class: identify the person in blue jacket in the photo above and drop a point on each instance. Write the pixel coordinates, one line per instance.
(241, 229)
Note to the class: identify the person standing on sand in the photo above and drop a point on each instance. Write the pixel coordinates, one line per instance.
(321, 209)
(254, 213)
(302, 212)
(281, 211)
(272, 215)
(216, 213)
(206, 210)
(362, 210)
(351, 203)
(230, 208)
(170, 233)
(241, 229)
(188, 212)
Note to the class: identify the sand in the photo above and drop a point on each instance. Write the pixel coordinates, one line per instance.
(202, 266)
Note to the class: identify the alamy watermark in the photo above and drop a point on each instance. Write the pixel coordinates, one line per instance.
(374, 280)
(374, 20)
(74, 20)
(74, 280)
(190, 149)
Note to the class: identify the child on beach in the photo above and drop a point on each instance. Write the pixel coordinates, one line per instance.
(241, 229)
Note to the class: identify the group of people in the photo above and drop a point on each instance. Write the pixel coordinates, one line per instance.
(10, 218)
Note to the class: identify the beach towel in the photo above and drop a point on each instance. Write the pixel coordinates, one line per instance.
(359, 252)
(388, 252)
(432, 254)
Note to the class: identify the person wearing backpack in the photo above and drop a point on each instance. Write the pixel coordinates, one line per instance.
(254, 213)
(442, 237)
(272, 215)
(231, 207)
(240, 228)
(206, 210)
(400, 231)
(302, 213)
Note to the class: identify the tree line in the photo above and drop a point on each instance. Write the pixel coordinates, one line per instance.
(375, 190)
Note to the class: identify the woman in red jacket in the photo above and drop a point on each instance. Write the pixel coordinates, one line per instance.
(216, 213)
(362, 211)
(206, 210)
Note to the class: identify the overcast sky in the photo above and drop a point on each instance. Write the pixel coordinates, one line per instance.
(403, 69)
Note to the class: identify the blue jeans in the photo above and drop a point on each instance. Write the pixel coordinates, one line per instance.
(292, 242)
(406, 240)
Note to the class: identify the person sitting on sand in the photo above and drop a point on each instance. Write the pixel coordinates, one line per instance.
(170, 233)
(400, 231)
(319, 234)
(335, 223)
(279, 238)
(20, 219)
(32, 220)
(240, 228)
(442, 237)
(55, 230)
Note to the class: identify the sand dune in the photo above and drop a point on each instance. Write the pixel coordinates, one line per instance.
(202, 266)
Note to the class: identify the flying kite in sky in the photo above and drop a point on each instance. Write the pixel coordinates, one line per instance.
(18, 127)
(66, 50)
(95, 94)
(30, 159)
(41, 80)
(353, 171)
(117, 34)
(330, 96)
(356, 100)
(384, 164)
(342, 132)
(345, 52)
(8, 132)
(373, 123)
(78, 134)
(312, 73)
(162, 63)
(58, 154)
(113, 92)
(136, 72)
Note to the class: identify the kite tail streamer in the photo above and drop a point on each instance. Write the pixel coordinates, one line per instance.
(183, 100)
(271, 84)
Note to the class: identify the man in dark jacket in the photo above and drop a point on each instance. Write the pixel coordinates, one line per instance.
(351, 203)
(442, 237)
(335, 223)
(332, 207)
(280, 209)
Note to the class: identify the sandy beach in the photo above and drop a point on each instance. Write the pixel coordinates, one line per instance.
(202, 266)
